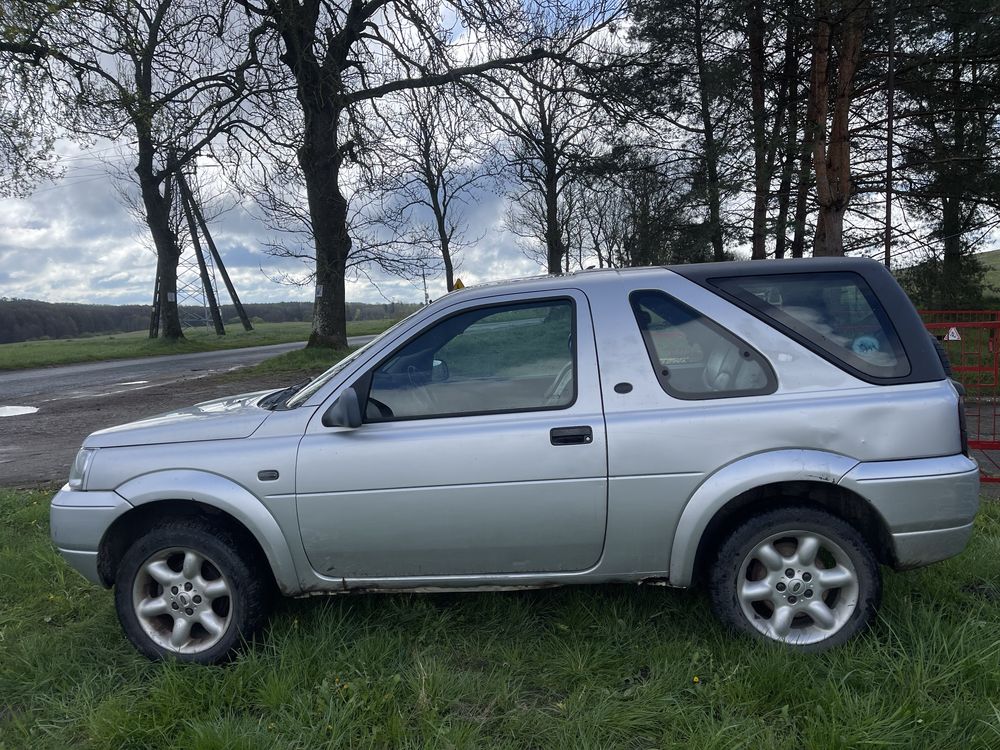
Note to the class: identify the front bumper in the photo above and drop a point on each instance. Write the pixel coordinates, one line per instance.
(78, 521)
(928, 504)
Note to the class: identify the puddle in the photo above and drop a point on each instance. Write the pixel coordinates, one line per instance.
(134, 382)
(14, 411)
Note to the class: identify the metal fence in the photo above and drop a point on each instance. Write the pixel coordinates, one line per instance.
(972, 341)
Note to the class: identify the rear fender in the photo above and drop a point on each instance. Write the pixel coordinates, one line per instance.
(735, 479)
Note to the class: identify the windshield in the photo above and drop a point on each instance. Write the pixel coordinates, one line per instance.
(304, 393)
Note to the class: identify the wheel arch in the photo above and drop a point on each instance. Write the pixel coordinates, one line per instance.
(746, 487)
(195, 493)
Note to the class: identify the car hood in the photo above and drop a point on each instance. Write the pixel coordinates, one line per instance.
(221, 419)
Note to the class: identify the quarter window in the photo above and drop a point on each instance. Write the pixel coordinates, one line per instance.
(836, 313)
(694, 357)
(494, 359)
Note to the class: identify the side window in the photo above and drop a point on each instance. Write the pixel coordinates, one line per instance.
(836, 313)
(492, 359)
(694, 357)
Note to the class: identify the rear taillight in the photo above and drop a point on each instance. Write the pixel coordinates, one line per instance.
(962, 427)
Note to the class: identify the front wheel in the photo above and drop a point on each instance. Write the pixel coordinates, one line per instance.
(796, 575)
(186, 590)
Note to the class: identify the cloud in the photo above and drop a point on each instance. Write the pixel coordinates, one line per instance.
(75, 241)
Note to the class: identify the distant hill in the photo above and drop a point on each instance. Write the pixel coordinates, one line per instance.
(991, 260)
(27, 319)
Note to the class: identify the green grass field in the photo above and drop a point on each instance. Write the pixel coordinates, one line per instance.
(137, 344)
(579, 667)
(991, 260)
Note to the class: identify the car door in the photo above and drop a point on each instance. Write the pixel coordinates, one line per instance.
(482, 451)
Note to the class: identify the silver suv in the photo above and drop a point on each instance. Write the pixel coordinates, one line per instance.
(771, 431)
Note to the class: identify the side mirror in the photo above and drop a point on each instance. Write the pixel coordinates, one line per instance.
(345, 411)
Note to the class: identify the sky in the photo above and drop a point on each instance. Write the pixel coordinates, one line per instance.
(74, 240)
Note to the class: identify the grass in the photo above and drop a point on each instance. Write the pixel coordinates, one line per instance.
(136, 344)
(579, 667)
(299, 364)
(991, 260)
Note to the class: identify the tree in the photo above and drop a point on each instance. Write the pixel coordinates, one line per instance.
(692, 84)
(170, 73)
(438, 159)
(836, 52)
(773, 83)
(949, 91)
(635, 209)
(547, 119)
(342, 60)
(27, 125)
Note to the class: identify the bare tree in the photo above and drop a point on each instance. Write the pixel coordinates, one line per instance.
(342, 59)
(168, 73)
(438, 159)
(548, 120)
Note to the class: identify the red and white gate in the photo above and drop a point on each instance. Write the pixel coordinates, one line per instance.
(972, 341)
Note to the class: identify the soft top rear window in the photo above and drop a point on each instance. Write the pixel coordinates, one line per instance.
(836, 313)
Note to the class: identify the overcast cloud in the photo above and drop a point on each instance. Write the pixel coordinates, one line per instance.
(73, 240)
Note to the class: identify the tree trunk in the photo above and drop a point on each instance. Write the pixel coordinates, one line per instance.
(555, 250)
(157, 209)
(711, 149)
(761, 175)
(832, 159)
(449, 268)
(802, 187)
(951, 268)
(441, 224)
(951, 205)
(320, 160)
(787, 167)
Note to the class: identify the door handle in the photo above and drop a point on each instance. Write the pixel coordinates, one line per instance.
(571, 435)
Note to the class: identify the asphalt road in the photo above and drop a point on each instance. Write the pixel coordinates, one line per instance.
(65, 404)
(95, 379)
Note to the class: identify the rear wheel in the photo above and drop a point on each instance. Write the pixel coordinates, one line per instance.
(798, 576)
(186, 590)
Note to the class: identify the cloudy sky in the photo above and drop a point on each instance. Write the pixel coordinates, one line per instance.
(74, 240)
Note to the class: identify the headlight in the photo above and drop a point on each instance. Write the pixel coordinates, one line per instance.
(80, 469)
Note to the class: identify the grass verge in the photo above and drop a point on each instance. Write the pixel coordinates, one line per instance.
(136, 344)
(578, 667)
(298, 364)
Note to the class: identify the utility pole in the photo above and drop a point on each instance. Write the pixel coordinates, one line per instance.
(206, 280)
(203, 225)
(205, 285)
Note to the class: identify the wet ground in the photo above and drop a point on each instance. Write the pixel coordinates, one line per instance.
(46, 413)
(37, 449)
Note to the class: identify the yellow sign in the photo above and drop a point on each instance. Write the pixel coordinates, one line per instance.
(459, 284)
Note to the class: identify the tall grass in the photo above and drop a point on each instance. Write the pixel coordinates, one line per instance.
(578, 667)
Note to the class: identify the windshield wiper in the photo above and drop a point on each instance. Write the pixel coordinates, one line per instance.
(277, 399)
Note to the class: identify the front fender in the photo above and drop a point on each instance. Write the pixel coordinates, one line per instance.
(228, 497)
(733, 480)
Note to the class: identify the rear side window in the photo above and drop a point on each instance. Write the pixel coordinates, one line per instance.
(834, 313)
(694, 357)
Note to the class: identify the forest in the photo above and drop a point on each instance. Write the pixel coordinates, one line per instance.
(619, 133)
